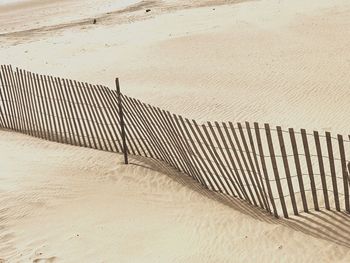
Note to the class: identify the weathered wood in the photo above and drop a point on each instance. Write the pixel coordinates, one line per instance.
(251, 141)
(310, 169)
(250, 167)
(287, 170)
(10, 100)
(213, 178)
(73, 112)
(137, 129)
(144, 129)
(321, 167)
(4, 99)
(263, 164)
(233, 131)
(298, 169)
(190, 157)
(230, 173)
(238, 176)
(17, 99)
(333, 172)
(201, 163)
(217, 160)
(344, 172)
(53, 109)
(21, 91)
(275, 170)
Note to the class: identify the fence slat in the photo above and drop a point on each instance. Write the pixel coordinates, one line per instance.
(287, 170)
(251, 141)
(310, 169)
(344, 172)
(321, 168)
(230, 173)
(191, 158)
(256, 185)
(275, 170)
(18, 106)
(10, 100)
(263, 164)
(298, 169)
(233, 131)
(221, 167)
(4, 99)
(20, 87)
(333, 172)
(201, 163)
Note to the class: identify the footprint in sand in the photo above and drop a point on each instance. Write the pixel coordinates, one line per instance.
(44, 260)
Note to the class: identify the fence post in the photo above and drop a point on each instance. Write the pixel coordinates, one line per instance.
(122, 124)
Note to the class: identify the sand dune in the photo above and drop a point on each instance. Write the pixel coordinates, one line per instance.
(71, 204)
(282, 62)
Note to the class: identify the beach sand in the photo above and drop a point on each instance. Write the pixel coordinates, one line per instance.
(282, 62)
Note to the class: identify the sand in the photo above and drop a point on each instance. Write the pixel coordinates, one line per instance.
(282, 62)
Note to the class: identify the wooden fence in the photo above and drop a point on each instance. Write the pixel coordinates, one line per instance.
(282, 171)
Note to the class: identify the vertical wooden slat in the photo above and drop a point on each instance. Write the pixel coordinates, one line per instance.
(223, 172)
(21, 102)
(101, 118)
(10, 100)
(21, 89)
(333, 172)
(96, 129)
(251, 141)
(41, 107)
(32, 101)
(64, 110)
(202, 165)
(81, 91)
(40, 118)
(205, 164)
(239, 165)
(143, 129)
(275, 170)
(28, 108)
(108, 119)
(81, 118)
(263, 164)
(243, 171)
(250, 167)
(47, 109)
(178, 146)
(191, 158)
(4, 97)
(230, 173)
(157, 137)
(150, 129)
(18, 102)
(309, 168)
(167, 135)
(61, 122)
(136, 131)
(218, 173)
(321, 167)
(70, 112)
(112, 98)
(69, 87)
(287, 170)
(113, 112)
(298, 169)
(345, 174)
(51, 103)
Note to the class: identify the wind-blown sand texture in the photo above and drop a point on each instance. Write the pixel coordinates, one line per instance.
(239, 62)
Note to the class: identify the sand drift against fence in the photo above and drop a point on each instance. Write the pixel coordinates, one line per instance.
(281, 171)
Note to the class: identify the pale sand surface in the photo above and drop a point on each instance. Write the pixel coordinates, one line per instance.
(71, 204)
(282, 62)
